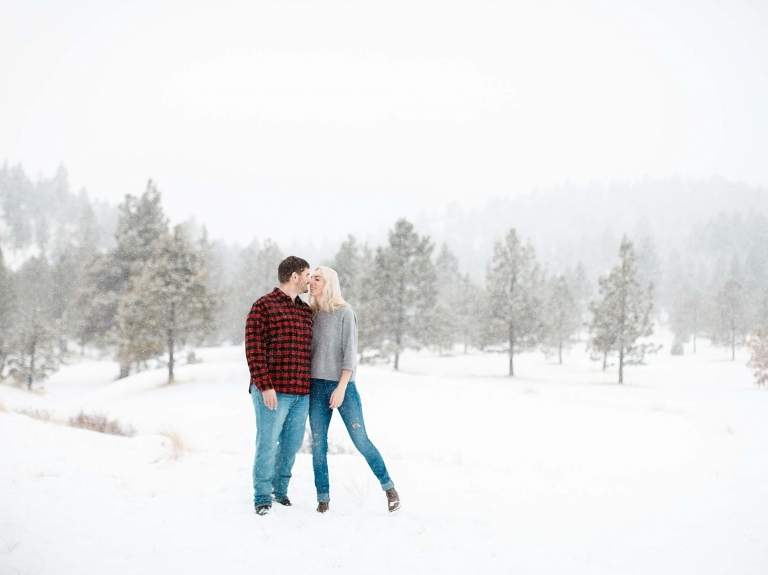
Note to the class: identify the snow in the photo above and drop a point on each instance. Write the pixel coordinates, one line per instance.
(559, 470)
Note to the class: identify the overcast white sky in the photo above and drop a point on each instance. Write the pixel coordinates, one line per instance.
(260, 118)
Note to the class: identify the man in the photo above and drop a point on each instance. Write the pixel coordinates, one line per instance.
(278, 342)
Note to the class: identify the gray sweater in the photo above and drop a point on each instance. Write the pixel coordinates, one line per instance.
(334, 344)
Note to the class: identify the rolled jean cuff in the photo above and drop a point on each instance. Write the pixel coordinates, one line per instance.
(323, 497)
(387, 485)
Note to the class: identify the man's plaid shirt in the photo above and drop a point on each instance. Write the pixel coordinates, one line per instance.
(278, 343)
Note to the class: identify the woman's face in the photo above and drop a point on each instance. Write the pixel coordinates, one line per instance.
(316, 284)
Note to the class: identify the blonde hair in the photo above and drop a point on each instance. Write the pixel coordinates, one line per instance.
(330, 299)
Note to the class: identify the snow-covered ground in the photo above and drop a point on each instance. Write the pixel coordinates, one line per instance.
(558, 470)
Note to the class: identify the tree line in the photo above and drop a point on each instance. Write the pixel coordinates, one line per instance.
(150, 290)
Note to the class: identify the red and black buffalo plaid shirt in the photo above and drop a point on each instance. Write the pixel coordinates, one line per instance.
(278, 343)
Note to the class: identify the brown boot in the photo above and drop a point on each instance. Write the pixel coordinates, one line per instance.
(322, 507)
(393, 500)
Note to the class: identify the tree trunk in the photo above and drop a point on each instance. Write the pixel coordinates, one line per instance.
(733, 345)
(621, 365)
(31, 375)
(605, 361)
(511, 350)
(171, 341)
(125, 369)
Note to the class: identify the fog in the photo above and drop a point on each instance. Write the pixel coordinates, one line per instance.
(306, 121)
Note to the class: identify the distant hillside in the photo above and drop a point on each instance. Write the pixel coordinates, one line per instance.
(570, 224)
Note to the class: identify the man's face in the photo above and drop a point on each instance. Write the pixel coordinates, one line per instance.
(302, 285)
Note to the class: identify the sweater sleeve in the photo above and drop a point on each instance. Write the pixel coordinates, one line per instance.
(349, 340)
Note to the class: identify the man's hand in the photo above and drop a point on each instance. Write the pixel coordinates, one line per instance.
(270, 398)
(337, 397)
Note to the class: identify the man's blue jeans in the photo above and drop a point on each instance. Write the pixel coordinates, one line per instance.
(351, 411)
(279, 434)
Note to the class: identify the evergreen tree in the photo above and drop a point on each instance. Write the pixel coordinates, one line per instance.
(759, 360)
(731, 323)
(141, 226)
(356, 266)
(407, 287)
(34, 355)
(445, 322)
(562, 319)
(7, 314)
(368, 305)
(515, 285)
(66, 283)
(622, 314)
(685, 315)
(256, 275)
(581, 290)
(348, 265)
(176, 305)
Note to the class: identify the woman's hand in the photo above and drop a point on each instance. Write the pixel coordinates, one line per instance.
(337, 397)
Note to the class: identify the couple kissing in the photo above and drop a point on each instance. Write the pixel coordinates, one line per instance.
(303, 359)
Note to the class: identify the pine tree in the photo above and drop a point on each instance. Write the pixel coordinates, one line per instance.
(356, 266)
(348, 265)
(368, 304)
(515, 285)
(7, 314)
(562, 317)
(66, 283)
(731, 324)
(685, 315)
(256, 275)
(759, 360)
(176, 305)
(87, 239)
(445, 324)
(407, 287)
(581, 289)
(622, 314)
(141, 226)
(34, 355)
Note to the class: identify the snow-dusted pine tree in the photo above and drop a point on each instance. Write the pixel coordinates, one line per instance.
(516, 288)
(7, 314)
(562, 317)
(581, 289)
(621, 315)
(255, 275)
(758, 343)
(445, 323)
(348, 265)
(34, 355)
(140, 227)
(407, 287)
(685, 315)
(731, 324)
(172, 294)
(356, 266)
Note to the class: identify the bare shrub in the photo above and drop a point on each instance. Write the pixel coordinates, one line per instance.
(357, 488)
(100, 423)
(176, 447)
(40, 414)
(11, 544)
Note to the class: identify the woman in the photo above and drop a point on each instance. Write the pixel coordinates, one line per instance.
(332, 384)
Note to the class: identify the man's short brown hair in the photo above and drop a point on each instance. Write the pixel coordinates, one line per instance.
(290, 265)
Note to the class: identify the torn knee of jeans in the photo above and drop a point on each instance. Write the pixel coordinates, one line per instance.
(355, 425)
